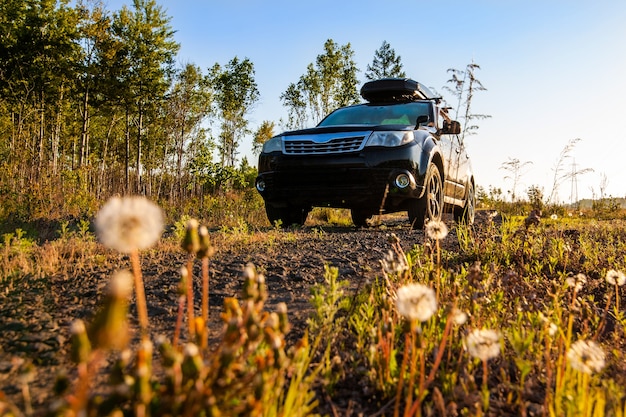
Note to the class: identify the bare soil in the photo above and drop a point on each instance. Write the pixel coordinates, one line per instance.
(37, 313)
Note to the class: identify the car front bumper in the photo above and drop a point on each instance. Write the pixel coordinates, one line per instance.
(366, 180)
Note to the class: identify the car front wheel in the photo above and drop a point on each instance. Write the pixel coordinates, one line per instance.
(286, 216)
(430, 205)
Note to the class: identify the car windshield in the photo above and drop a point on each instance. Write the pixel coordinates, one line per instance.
(377, 114)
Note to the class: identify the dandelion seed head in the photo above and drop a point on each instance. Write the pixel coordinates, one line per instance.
(436, 230)
(459, 317)
(614, 277)
(126, 224)
(393, 238)
(191, 349)
(281, 308)
(78, 327)
(416, 302)
(483, 344)
(552, 328)
(121, 285)
(577, 282)
(554, 217)
(393, 264)
(586, 356)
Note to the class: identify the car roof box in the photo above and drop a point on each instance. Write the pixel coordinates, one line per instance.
(395, 89)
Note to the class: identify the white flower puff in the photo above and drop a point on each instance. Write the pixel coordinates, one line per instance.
(614, 277)
(483, 344)
(586, 356)
(129, 223)
(416, 302)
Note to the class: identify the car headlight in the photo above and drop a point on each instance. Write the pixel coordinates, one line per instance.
(273, 145)
(389, 139)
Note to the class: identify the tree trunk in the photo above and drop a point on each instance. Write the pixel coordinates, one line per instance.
(127, 154)
(84, 133)
(56, 135)
(42, 130)
(138, 162)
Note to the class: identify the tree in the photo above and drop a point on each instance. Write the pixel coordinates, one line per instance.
(188, 104)
(465, 85)
(385, 64)
(38, 55)
(147, 51)
(264, 133)
(95, 32)
(327, 85)
(235, 93)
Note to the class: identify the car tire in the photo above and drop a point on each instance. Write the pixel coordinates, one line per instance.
(467, 213)
(360, 217)
(430, 205)
(287, 216)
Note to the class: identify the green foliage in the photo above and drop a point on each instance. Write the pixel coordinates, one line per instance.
(328, 300)
(337, 217)
(385, 64)
(606, 208)
(264, 133)
(235, 91)
(246, 375)
(522, 280)
(328, 84)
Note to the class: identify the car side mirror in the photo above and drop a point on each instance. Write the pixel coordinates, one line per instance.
(451, 128)
(422, 118)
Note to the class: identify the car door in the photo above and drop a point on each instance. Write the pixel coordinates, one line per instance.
(449, 152)
(461, 168)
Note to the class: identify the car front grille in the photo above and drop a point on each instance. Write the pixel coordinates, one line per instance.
(311, 147)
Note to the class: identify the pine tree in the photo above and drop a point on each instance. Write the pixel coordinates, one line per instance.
(385, 64)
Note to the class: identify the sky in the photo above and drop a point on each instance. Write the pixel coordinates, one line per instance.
(554, 70)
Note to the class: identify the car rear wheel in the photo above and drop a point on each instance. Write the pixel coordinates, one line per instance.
(430, 205)
(467, 213)
(287, 216)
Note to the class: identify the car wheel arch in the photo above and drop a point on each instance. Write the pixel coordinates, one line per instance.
(431, 155)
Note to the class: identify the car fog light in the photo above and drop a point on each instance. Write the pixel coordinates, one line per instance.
(260, 185)
(403, 181)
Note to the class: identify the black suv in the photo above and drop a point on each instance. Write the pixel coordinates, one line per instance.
(400, 151)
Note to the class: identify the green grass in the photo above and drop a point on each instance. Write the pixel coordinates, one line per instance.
(524, 283)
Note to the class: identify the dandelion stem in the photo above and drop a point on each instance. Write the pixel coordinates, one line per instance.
(401, 375)
(27, 399)
(409, 393)
(442, 347)
(179, 320)
(142, 309)
(86, 371)
(606, 313)
(205, 300)
(190, 315)
(485, 390)
(438, 267)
